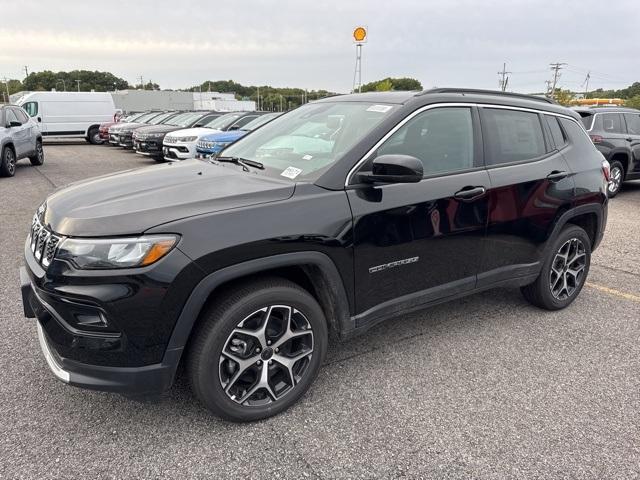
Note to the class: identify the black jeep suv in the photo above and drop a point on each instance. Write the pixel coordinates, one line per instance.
(615, 131)
(329, 219)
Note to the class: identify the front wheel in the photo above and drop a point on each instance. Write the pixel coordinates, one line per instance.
(258, 350)
(7, 162)
(93, 136)
(564, 271)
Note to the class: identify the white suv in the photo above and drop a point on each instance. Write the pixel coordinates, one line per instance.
(181, 144)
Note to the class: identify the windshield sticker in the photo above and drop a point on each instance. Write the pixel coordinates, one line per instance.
(307, 157)
(291, 172)
(379, 108)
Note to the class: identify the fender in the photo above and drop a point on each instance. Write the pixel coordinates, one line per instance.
(208, 284)
(598, 209)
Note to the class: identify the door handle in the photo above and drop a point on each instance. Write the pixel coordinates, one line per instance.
(557, 175)
(470, 193)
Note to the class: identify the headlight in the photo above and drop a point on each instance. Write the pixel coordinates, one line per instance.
(186, 139)
(108, 253)
(220, 144)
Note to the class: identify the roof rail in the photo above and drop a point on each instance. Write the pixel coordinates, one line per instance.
(487, 92)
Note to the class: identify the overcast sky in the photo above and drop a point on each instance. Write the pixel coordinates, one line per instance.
(180, 43)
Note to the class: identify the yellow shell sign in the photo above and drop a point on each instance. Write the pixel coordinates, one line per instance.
(360, 34)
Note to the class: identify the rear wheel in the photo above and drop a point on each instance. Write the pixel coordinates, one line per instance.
(93, 137)
(8, 162)
(258, 350)
(564, 271)
(37, 158)
(616, 177)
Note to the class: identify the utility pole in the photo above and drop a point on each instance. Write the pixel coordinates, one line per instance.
(78, 82)
(6, 84)
(555, 67)
(26, 71)
(586, 84)
(281, 102)
(504, 80)
(141, 82)
(258, 99)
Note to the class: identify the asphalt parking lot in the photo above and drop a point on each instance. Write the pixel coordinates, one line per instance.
(485, 387)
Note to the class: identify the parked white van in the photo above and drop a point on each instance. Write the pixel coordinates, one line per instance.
(70, 114)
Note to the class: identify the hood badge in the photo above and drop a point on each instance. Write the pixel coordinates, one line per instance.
(397, 263)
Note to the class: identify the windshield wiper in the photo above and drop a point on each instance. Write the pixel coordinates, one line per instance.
(244, 162)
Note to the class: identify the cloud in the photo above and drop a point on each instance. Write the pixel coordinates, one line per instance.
(295, 43)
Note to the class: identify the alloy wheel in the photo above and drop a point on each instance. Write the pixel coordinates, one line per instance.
(10, 160)
(567, 269)
(615, 179)
(266, 355)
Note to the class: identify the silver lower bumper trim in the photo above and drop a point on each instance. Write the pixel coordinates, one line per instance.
(53, 365)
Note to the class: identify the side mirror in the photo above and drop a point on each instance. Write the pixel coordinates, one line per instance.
(234, 127)
(394, 169)
(39, 119)
(13, 124)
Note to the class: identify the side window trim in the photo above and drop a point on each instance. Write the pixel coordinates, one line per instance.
(364, 158)
(552, 140)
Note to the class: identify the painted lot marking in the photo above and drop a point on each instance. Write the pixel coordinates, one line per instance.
(616, 293)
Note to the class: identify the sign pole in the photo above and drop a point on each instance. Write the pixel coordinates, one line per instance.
(360, 37)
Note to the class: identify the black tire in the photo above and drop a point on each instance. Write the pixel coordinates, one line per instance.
(38, 158)
(616, 178)
(216, 332)
(8, 162)
(541, 293)
(159, 159)
(93, 136)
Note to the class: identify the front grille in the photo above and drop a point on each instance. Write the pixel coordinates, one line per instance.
(43, 241)
(170, 139)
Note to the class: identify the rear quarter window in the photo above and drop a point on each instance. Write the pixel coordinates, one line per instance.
(587, 119)
(583, 153)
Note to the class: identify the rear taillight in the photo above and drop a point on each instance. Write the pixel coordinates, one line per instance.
(596, 138)
(606, 171)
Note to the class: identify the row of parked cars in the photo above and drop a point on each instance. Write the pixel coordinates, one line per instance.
(181, 135)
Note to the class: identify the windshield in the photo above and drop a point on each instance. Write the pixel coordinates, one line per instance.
(261, 120)
(304, 143)
(161, 118)
(224, 120)
(184, 119)
(147, 116)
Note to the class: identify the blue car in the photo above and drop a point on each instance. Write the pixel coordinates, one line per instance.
(213, 143)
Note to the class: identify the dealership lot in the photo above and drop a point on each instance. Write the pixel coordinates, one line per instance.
(485, 387)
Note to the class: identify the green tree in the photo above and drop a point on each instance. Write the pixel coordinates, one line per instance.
(633, 102)
(396, 84)
(563, 97)
(84, 80)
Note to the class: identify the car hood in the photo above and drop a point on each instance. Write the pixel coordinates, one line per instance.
(193, 132)
(231, 136)
(126, 126)
(130, 202)
(153, 129)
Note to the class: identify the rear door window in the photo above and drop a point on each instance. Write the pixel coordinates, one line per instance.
(511, 136)
(612, 123)
(633, 123)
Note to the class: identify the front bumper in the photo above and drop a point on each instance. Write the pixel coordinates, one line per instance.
(134, 381)
(151, 148)
(183, 151)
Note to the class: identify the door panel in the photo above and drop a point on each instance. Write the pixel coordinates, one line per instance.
(632, 121)
(410, 238)
(525, 198)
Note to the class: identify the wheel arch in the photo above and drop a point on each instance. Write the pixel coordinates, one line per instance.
(590, 218)
(91, 127)
(313, 271)
(623, 158)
